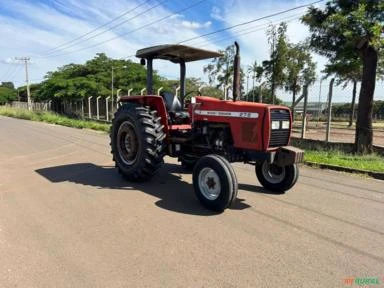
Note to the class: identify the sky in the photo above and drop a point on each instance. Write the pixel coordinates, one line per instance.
(53, 33)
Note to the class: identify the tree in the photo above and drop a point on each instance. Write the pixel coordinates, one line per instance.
(300, 69)
(220, 70)
(274, 69)
(345, 28)
(9, 85)
(76, 81)
(257, 73)
(262, 93)
(7, 95)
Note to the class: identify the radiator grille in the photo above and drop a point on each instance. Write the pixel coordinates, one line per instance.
(279, 137)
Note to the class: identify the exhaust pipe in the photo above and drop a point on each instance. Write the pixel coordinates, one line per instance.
(236, 73)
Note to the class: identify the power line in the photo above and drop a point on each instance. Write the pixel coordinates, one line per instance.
(251, 21)
(247, 31)
(11, 69)
(244, 23)
(16, 71)
(66, 46)
(134, 30)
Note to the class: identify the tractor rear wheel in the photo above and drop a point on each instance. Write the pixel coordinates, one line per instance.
(275, 178)
(214, 182)
(137, 142)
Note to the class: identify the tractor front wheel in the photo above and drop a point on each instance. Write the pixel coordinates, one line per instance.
(214, 182)
(275, 178)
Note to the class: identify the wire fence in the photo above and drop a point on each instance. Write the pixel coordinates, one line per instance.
(102, 109)
(95, 108)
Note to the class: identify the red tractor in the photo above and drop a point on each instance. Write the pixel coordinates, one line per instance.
(207, 134)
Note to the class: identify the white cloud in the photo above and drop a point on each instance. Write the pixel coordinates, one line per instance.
(37, 29)
(217, 14)
(195, 25)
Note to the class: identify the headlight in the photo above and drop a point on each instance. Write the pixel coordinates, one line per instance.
(275, 125)
(285, 125)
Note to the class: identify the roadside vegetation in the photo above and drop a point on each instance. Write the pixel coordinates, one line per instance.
(53, 118)
(372, 162)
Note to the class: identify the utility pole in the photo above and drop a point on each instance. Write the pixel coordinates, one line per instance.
(26, 59)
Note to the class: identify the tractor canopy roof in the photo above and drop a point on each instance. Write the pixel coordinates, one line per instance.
(176, 53)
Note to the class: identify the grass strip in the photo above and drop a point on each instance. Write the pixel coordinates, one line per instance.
(53, 118)
(374, 163)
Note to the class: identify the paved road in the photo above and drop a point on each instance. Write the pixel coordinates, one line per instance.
(68, 220)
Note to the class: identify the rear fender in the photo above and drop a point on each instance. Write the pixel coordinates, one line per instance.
(153, 101)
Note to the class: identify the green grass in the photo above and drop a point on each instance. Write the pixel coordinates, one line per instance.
(374, 163)
(52, 118)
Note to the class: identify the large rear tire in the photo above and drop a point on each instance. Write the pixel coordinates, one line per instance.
(137, 142)
(275, 178)
(214, 183)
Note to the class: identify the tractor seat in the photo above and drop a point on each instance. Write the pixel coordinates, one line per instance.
(172, 102)
(174, 108)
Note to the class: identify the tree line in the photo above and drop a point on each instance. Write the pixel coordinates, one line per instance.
(348, 33)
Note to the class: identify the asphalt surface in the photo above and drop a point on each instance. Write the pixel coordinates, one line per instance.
(68, 220)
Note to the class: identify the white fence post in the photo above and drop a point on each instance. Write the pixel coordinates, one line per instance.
(117, 99)
(89, 107)
(226, 91)
(142, 91)
(129, 91)
(106, 108)
(97, 107)
(159, 90)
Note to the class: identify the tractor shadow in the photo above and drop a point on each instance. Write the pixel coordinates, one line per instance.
(257, 189)
(174, 194)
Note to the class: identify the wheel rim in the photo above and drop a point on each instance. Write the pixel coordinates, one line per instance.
(209, 183)
(272, 173)
(127, 143)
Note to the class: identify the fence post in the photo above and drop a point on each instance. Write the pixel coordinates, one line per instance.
(97, 107)
(129, 91)
(328, 135)
(89, 107)
(304, 123)
(106, 108)
(82, 108)
(159, 90)
(117, 100)
(226, 91)
(177, 91)
(142, 91)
